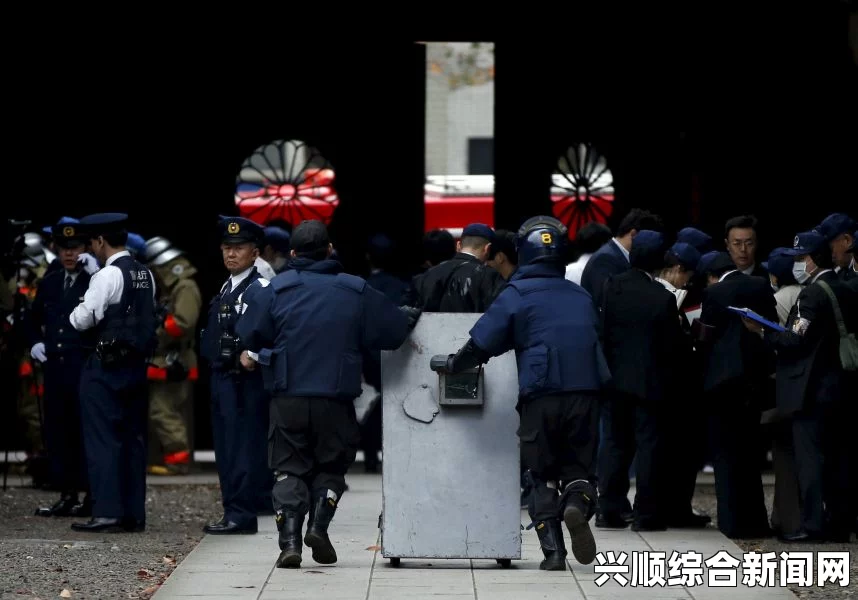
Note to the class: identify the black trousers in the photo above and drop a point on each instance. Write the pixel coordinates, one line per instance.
(559, 438)
(63, 431)
(114, 412)
(822, 458)
(734, 426)
(312, 442)
(684, 452)
(632, 428)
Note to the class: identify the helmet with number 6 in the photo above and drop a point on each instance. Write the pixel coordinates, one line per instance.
(542, 239)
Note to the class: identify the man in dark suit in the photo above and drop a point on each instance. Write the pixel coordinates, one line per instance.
(464, 283)
(642, 339)
(813, 387)
(740, 237)
(613, 257)
(737, 365)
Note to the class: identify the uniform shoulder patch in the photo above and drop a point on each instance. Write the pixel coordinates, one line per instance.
(351, 282)
(178, 269)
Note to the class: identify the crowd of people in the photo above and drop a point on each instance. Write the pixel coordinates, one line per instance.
(636, 351)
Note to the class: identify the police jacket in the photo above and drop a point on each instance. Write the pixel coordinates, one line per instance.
(732, 352)
(395, 289)
(49, 316)
(808, 360)
(311, 325)
(551, 324)
(461, 284)
(225, 311)
(642, 336)
(180, 303)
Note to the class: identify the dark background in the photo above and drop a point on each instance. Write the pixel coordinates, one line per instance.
(767, 117)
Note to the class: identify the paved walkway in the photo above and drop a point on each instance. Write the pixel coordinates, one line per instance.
(242, 567)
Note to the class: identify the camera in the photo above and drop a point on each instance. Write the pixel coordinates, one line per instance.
(228, 347)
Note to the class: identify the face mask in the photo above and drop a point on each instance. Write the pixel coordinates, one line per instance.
(799, 271)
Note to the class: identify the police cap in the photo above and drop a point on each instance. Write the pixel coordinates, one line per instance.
(309, 236)
(835, 224)
(479, 230)
(238, 230)
(277, 237)
(67, 233)
(135, 243)
(701, 241)
(714, 262)
(779, 264)
(104, 223)
(808, 242)
(685, 254)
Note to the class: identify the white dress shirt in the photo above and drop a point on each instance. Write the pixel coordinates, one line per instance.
(105, 288)
(575, 269)
(73, 275)
(622, 249)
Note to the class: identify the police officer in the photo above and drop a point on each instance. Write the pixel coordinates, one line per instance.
(173, 369)
(275, 250)
(62, 351)
(550, 323)
(503, 256)
(308, 330)
(136, 245)
(463, 283)
(119, 306)
(239, 400)
(838, 229)
(814, 388)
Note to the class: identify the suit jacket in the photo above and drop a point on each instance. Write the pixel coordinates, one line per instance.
(642, 334)
(734, 354)
(808, 368)
(607, 261)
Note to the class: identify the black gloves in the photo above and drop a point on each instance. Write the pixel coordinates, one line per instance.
(413, 315)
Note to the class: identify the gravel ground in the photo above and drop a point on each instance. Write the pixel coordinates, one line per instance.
(41, 557)
(704, 500)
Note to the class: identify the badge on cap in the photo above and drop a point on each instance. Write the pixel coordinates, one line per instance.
(68, 231)
(233, 228)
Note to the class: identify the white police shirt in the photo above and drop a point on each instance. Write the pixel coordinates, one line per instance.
(105, 288)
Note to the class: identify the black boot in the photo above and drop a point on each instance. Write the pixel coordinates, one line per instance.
(578, 503)
(317, 531)
(289, 525)
(553, 546)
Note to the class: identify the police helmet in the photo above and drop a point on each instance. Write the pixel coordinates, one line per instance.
(542, 239)
(160, 251)
(33, 251)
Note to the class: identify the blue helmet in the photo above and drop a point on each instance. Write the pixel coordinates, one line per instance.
(542, 239)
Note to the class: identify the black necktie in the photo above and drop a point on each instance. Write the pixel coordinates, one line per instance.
(68, 282)
(228, 287)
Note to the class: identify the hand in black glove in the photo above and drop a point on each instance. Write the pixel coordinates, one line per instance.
(413, 315)
(439, 363)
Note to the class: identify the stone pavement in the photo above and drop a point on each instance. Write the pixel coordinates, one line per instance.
(242, 567)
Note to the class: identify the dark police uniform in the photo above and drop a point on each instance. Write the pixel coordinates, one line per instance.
(309, 328)
(551, 324)
(831, 228)
(463, 284)
(66, 350)
(736, 374)
(643, 340)
(113, 389)
(238, 399)
(814, 388)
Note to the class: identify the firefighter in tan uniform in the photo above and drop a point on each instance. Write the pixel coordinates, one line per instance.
(173, 369)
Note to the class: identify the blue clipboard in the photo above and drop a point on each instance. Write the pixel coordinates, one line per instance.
(747, 312)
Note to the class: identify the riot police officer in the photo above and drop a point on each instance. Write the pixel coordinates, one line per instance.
(551, 324)
(62, 351)
(239, 401)
(174, 366)
(308, 330)
(119, 305)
